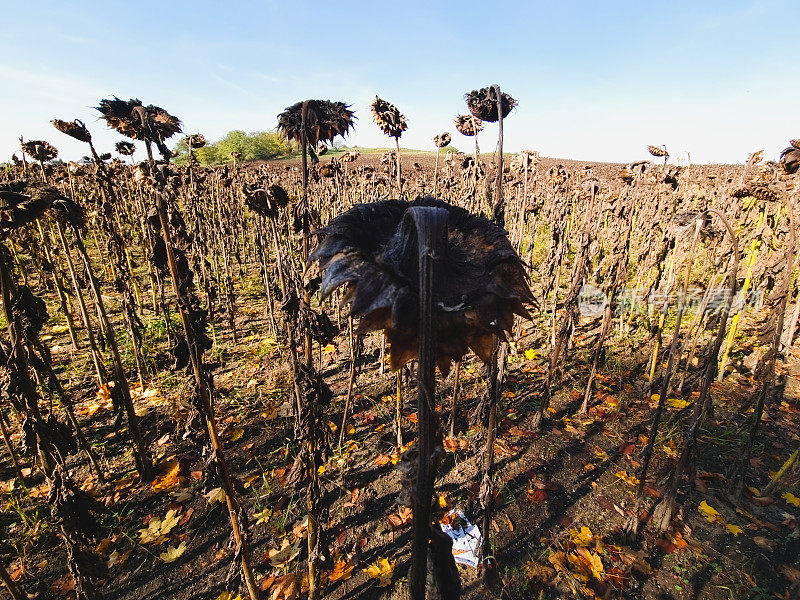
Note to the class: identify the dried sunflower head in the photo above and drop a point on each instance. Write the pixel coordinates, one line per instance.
(442, 140)
(790, 160)
(330, 169)
(128, 117)
(349, 156)
(480, 284)
(265, 201)
(21, 203)
(391, 121)
(69, 212)
(483, 103)
(195, 141)
(468, 125)
(324, 121)
(125, 148)
(526, 158)
(39, 150)
(658, 151)
(322, 148)
(75, 129)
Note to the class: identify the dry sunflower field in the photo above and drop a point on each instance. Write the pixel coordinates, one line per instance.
(399, 374)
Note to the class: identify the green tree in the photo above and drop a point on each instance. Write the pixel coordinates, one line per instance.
(257, 145)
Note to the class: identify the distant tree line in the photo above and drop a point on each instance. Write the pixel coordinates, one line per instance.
(257, 145)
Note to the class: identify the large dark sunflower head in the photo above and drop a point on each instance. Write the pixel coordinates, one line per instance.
(479, 286)
(21, 203)
(391, 121)
(468, 125)
(118, 114)
(75, 129)
(132, 119)
(163, 124)
(39, 150)
(324, 121)
(483, 103)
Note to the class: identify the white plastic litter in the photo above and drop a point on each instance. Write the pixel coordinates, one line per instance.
(466, 540)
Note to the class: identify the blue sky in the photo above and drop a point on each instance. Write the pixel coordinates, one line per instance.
(596, 81)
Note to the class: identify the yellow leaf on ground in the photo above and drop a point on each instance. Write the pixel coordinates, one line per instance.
(583, 537)
(677, 403)
(170, 479)
(734, 529)
(173, 553)
(263, 516)
(709, 512)
(629, 479)
(382, 570)
(791, 499)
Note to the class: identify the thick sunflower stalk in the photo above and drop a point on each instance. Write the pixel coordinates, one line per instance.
(73, 218)
(313, 398)
(154, 125)
(439, 281)
(44, 438)
(309, 123)
(108, 217)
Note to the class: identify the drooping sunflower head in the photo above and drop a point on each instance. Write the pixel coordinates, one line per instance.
(658, 151)
(442, 140)
(75, 129)
(125, 148)
(480, 283)
(790, 159)
(468, 125)
(483, 103)
(40, 150)
(391, 121)
(22, 202)
(196, 140)
(266, 201)
(325, 120)
(134, 120)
